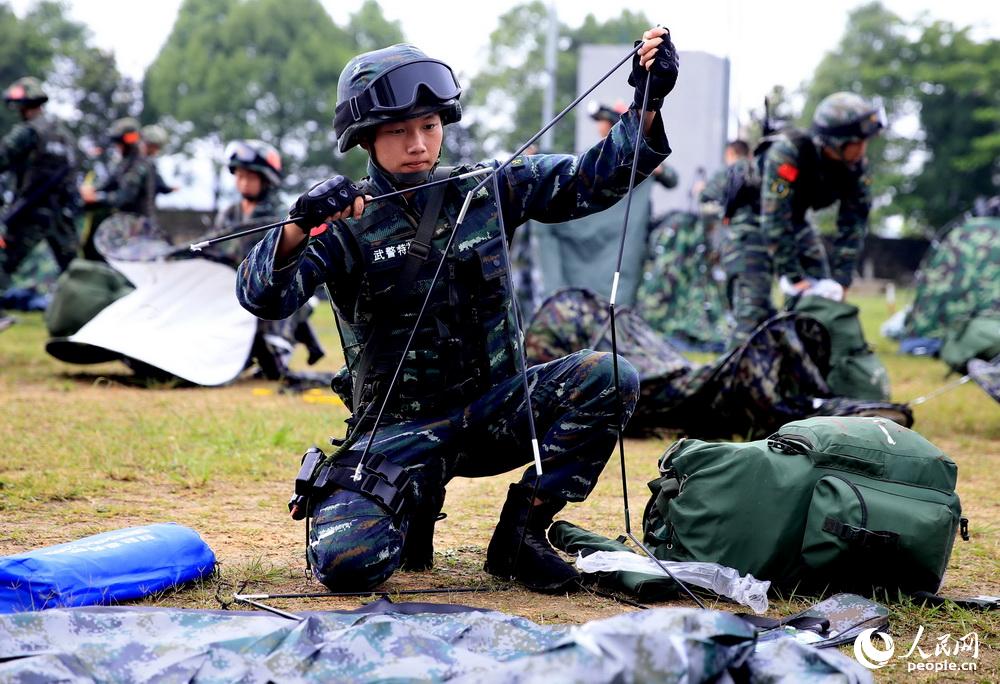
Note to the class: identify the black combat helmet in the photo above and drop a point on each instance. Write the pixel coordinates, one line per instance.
(25, 92)
(256, 156)
(844, 117)
(392, 84)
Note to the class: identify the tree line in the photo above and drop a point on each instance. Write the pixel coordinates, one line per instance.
(268, 69)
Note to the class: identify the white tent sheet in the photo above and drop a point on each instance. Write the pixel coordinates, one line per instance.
(183, 317)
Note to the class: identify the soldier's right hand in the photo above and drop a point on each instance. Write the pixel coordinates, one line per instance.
(657, 61)
(330, 200)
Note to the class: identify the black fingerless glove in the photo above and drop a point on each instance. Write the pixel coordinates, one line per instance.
(663, 75)
(328, 197)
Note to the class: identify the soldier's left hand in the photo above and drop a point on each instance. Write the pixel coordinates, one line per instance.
(88, 194)
(658, 58)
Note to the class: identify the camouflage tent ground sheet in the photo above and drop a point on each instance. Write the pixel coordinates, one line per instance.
(775, 377)
(678, 295)
(400, 643)
(959, 280)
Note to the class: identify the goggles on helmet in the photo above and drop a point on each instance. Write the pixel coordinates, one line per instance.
(241, 152)
(399, 89)
(864, 127)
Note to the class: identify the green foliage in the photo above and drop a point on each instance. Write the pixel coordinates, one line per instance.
(935, 71)
(512, 79)
(263, 69)
(47, 44)
(22, 53)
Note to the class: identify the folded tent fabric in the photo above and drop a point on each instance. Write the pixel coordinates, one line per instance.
(386, 641)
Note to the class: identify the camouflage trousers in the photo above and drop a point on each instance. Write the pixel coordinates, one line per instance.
(53, 225)
(749, 279)
(354, 543)
(750, 273)
(275, 342)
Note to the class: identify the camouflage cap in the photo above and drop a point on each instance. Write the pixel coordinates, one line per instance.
(843, 117)
(26, 91)
(154, 134)
(124, 130)
(357, 108)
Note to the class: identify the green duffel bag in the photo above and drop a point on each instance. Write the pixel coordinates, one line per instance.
(844, 504)
(979, 338)
(855, 371)
(82, 292)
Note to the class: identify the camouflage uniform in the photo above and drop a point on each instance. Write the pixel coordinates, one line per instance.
(42, 154)
(132, 186)
(797, 177)
(458, 408)
(790, 186)
(745, 256)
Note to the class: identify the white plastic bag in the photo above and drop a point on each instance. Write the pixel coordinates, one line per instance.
(745, 590)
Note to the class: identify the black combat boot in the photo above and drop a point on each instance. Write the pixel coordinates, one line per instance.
(538, 567)
(305, 335)
(418, 547)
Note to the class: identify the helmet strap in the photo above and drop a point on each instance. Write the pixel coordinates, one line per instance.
(399, 180)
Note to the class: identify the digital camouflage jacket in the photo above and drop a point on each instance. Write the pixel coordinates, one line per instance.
(466, 341)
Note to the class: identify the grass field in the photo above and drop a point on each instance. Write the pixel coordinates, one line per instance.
(84, 450)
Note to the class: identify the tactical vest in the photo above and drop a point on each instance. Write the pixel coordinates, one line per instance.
(54, 155)
(466, 340)
(232, 219)
(820, 182)
(145, 202)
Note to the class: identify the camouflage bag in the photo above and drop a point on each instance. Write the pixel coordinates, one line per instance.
(841, 503)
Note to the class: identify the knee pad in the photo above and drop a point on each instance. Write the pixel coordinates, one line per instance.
(354, 543)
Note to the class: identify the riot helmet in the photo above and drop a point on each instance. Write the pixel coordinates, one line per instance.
(846, 117)
(256, 156)
(394, 83)
(25, 92)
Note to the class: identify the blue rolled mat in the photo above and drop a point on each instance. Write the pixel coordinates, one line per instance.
(104, 568)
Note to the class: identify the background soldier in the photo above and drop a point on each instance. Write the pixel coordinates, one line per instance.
(459, 407)
(812, 172)
(131, 187)
(43, 157)
(802, 171)
(731, 199)
(154, 139)
(256, 169)
(605, 117)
